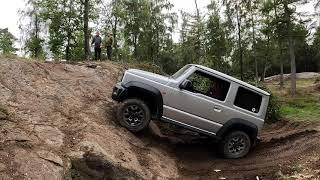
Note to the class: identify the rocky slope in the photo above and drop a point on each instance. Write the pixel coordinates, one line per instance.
(56, 122)
(61, 115)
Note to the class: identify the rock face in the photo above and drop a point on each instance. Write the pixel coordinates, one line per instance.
(62, 126)
(3, 113)
(32, 166)
(304, 75)
(52, 136)
(3, 116)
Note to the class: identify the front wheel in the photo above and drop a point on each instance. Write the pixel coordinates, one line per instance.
(134, 115)
(235, 145)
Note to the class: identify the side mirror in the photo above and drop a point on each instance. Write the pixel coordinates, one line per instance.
(186, 84)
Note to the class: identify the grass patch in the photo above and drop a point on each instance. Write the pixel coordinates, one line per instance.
(15, 57)
(305, 106)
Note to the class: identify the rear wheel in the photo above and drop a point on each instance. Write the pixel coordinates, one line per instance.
(134, 115)
(235, 145)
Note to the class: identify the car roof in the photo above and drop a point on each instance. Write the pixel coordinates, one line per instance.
(231, 78)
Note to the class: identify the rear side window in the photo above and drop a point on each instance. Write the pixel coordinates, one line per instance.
(248, 100)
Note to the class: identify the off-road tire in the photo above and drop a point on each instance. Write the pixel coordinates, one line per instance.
(235, 145)
(132, 110)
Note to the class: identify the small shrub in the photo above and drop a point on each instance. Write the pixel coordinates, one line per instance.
(8, 56)
(273, 112)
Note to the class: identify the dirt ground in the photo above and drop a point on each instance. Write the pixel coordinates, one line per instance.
(57, 122)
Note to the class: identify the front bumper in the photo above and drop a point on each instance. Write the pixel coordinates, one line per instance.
(118, 92)
(256, 142)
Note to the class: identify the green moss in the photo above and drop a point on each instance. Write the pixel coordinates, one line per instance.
(305, 106)
(302, 108)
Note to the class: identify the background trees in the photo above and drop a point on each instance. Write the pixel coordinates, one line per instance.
(7, 42)
(62, 18)
(250, 39)
(32, 32)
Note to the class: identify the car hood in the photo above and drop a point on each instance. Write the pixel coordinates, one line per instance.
(151, 76)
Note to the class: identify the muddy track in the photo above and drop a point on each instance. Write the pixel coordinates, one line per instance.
(62, 118)
(284, 145)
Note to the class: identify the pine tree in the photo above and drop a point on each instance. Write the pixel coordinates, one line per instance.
(7, 42)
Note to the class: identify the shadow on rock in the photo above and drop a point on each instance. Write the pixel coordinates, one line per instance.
(96, 166)
(178, 141)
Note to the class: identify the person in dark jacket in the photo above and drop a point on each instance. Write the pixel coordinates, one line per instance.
(96, 41)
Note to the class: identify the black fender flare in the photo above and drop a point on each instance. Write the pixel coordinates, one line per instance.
(147, 89)
(238, 124)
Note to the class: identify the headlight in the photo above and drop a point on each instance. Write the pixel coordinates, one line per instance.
(120, 77)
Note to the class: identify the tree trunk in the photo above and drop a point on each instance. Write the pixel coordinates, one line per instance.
(239, 41)
(293, 66)
(291, 51)
(135, 51)
(198, 12)
(198, 43)
(115, 43)
(267, 59)
(280, 47)
(157, 48)
(86, 30)
(254, 44)
(281, 70)
(68, 46)
(265, 68)
(36, 23)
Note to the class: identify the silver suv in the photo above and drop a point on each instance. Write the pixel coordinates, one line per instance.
(197, 98)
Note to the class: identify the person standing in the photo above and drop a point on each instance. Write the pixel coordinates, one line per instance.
(109, 45)
(96, 41)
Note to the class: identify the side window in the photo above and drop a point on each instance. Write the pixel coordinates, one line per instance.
(209, 85)
(248, 100)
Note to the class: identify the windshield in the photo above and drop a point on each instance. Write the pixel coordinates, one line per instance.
(180, 72)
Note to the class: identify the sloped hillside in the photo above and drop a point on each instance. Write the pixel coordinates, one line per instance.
(56, 122)
(61, 113)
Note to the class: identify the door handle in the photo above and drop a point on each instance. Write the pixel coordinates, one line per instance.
(217, 109)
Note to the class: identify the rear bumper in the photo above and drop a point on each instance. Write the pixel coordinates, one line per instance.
(118, 92)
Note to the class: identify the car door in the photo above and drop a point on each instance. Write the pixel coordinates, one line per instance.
(198, 106)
